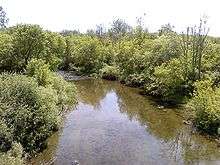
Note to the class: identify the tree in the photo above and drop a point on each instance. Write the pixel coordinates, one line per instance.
(100, 30)
(55, 49)
(28, 42)
(166, 29)
(140, 23)
(6, 50)
(193, 44)
(69, 32)
(139, 32)
(68, 53)
(3, 18)
(119, 29)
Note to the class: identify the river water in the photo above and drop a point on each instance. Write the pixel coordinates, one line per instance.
(114, 125)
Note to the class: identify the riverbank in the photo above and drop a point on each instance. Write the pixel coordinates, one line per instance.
(188, 114)
(114, 124)
(30, 111)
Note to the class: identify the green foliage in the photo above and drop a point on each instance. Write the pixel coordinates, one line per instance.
(6, 50)
(194, 44)
(109, 72)
(30, 107)
(13, 156)
(206, 103)
(125, 58)
(22, 43)
(136, 80)
(29, 113)
(40, 71)
(165, 64)
(28, 42)
(55, 49)
(84, 53)
(165, 48)
(169, 81)
(65, 91)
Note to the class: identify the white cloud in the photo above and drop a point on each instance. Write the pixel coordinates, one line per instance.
(83, 14)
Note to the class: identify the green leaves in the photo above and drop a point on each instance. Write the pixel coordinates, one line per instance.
(30, 107)
(55, 46)
(28, 42)
(109, 72)
(84, 53)
(22, 43)
(64, 91)
(206, 103)
(6, 50)
(40, 71)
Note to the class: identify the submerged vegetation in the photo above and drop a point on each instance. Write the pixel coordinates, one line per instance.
(177, 68)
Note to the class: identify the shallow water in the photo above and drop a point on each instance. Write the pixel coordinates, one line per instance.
(115, 125)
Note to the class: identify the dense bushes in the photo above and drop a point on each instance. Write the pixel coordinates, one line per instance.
(6, 49)
(29, 112)
(28, 42)
(21, 43)
(206, 103)
(83, 54)
(165, 65)
(109, 72)
(55, 47)
(65, 91)
(170, 81)
(30, 108)
(12, 157)
(30, 102)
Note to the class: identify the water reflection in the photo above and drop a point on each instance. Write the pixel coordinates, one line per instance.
(113, 124)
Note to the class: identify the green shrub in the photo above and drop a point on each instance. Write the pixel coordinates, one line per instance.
(135, 80)
(28, 42)
(206, 103)
(13, 156)
(29, 113)
(109, 72)
(20, 44)
(38, 69)
(6, 49)
(84, 53)
(55, 46)
(30, 108)
(66, 92)
(7, 159)
(169, 82)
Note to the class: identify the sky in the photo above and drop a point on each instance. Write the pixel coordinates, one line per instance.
(57, 15)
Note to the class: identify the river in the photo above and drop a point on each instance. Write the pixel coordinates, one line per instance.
(114, 125)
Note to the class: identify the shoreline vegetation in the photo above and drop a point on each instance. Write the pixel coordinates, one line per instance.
(177, 68)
